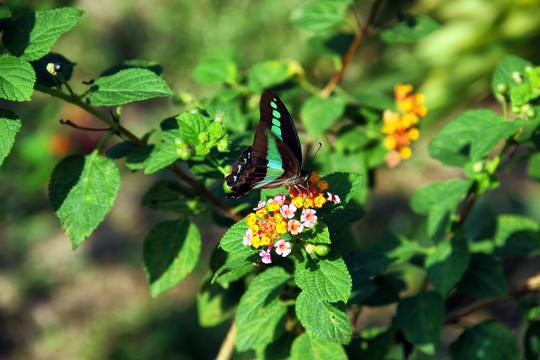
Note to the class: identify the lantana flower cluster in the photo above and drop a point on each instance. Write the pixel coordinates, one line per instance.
(281, 215)
(400, 126)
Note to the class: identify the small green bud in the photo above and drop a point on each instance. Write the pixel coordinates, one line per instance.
(528, 69)
(223, 145)
(516, 110)
(184, 153)
(322, 249)
(531, 112)
(310, 248)
(204, 136)
(179, 142)
(502, 88)
(227, 169)
(226, 188)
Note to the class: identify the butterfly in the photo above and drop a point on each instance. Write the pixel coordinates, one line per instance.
(274, 158)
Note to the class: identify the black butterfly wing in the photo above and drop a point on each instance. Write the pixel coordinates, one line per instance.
(275, 157)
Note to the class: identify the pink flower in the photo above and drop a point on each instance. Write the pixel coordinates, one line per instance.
(308, 217)
(334, 198)
(247, 238)
(260, 205)
(283, 248)
(279, 198)
(288, 211)
(295, 227)
(265, 255)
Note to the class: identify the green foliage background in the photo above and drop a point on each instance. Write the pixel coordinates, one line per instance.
(96, 299)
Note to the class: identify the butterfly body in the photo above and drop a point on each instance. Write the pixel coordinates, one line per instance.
(275, 157)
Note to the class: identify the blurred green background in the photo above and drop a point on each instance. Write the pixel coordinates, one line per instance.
(94, 303)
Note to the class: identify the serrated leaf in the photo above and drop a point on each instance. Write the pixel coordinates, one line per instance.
(326, 278)
(421, 317)
(471, 136)
(328, 321)
(121, 150)
(320, 235)
(82, 190)
(215, 71)
(216, 304)
(517, 235)
(32, 35)
(125, 86)
(534, 166)
(320, 15)
(484, 278)
(261, 316)
(232, 240)
(267, 74)
(486, 340)
(17, 78)
(320, 114)
(234, 269)
(153, 157)
(10, 125)
(409, 29)
(170, 252)
(340, 220)
(439, 200)
(310, 347)
(345, 185)
(447, 264)
(191, 125)
(504, 73)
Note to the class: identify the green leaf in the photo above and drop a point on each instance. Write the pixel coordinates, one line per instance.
(471, 136)
(439, 200)
(366, 265)
(126, 86)
(328, 321)
(191, 125)
(10, 125)
(395, 247)
(215, 71)
(326, 278)
(531, 341)
(216, 304)
(267, 74)
(345, 185)
(82, 190)
(447, 264)
(320, 114)
(484, 278)
(320, 235)
(32, 35)
(5, 12)
(174, 197)
(17, 79)
(153, 157)
(320, 15)
(504, 73)
(261, 316)
(170, 252)
(421, 317)
(232, 240)
(521, 94)
(309, 347)
(340, 220)
(375, 100)
(409, 29)
(486, 340)
(517, 235)
(534, 166)
(121, 150)
(234, 269)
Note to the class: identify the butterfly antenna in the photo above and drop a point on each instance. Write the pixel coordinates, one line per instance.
(316, 152)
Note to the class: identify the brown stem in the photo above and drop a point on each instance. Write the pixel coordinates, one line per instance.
(329, 88)
(137, 141)
(532, 284)
(227, 347)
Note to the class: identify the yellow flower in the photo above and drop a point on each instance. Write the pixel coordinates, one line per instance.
(390, 142)
(261, 212)
(281, 227)
(413, 134)
(254, 229)
(389, 128)
(273, 206)
(265, 240)
(308, 203)
(323, 184)
(251, 219)
(402, 91)
(319, 201)
(278, 217)
(298, 202)
(405, 152)
(256, 241)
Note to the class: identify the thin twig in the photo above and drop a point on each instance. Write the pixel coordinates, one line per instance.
(137, 141)
(227, 347)
(329, 88)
